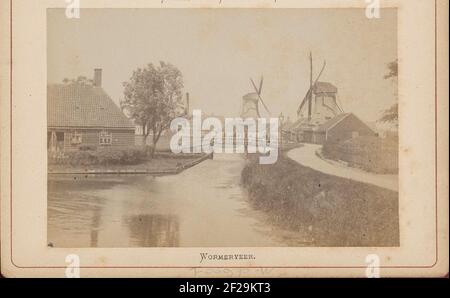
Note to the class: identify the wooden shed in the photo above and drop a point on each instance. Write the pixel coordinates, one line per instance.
(343, 127)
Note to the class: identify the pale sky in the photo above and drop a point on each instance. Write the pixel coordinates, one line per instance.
(218, 50)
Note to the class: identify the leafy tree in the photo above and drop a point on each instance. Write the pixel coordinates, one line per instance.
(391, 115)
(393, 70)
(153, 98)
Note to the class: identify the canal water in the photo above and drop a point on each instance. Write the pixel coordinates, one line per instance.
(202, 206)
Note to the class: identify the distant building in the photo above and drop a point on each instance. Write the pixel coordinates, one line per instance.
(326, 120)
(324, 104)
(341, 128)
(84, 115)
(298, 131)
(250, 106)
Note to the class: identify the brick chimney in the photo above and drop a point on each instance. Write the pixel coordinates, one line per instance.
(98, 77)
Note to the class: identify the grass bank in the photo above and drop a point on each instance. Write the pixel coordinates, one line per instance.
(123, 161)
(335, 211)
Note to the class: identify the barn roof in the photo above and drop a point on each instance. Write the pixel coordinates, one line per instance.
(324, 87)
(77, 105)
(332, 122)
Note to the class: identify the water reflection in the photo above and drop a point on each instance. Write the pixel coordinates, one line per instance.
(202, 206)
(95, 227)
(150, 230)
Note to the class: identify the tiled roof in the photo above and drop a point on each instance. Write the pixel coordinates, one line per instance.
(324, 87)
(83, 106)
(332, 122)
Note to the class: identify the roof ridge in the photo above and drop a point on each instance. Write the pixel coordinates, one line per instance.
(80, 105)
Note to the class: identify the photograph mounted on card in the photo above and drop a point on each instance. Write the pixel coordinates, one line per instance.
(224, 139)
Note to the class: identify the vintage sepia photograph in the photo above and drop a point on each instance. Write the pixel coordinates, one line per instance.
(222, 128)
(224, 139)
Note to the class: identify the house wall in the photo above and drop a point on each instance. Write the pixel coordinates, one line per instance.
(344, 129)
(91, 137)
(319, 138)
(307, 136)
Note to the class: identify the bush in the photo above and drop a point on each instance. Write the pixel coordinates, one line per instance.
(132, 156)
(82, 158)
(128, 156)
(87, 148)
(371, 154)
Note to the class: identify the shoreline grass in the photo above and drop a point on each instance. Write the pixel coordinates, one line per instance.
(158, 164)
(335, 211)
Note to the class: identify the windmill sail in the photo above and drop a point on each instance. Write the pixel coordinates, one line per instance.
(258, 92)
(309, 93)
(305, 99)
(260, 85)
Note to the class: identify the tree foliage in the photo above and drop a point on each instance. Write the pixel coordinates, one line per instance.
(391, 115)
(153, 98)
(393, 70)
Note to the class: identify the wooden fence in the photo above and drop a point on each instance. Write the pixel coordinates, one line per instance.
(373, 154)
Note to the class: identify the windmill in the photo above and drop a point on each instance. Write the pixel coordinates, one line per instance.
(324, 95)
(250, 107)
(250, 101)
(309, 95)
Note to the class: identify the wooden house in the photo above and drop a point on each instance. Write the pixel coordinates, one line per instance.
(84, 115)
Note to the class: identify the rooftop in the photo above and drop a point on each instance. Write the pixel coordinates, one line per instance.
(324, 87)
(332, 122)
(83, 105)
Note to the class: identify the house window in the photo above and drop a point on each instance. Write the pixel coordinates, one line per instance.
(105, 138)
(60, 137)
(75, 138)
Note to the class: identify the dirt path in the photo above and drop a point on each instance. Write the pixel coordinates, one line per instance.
(306, 156)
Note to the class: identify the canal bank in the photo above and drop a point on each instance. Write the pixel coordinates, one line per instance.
(162, 164)
(333, 211)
